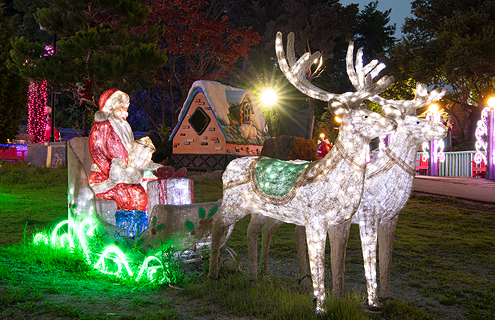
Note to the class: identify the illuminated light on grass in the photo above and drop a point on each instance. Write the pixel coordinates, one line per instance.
(151, 271)
(40, 238)
(88, 222)
(118, 257)
(64, 237)
(112, 260)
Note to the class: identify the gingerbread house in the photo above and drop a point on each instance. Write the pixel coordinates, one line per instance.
(217, 123)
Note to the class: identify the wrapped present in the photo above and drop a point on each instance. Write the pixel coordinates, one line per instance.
(134, 221)
(176, 191)
(170, 188)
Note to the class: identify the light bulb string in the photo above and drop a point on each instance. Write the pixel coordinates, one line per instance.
(393, 160)
(347, 157)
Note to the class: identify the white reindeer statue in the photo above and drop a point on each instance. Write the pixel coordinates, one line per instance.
(326, 193)
(389, 183)
(387, 188)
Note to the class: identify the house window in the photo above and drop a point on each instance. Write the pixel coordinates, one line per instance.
(247, 111)
(199, 120)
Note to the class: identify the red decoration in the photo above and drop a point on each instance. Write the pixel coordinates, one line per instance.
(48, 132)
(166, 172)
(36, 110)
(85, 92)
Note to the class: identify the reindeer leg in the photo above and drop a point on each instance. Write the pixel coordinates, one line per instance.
(368, 230)
(300, 234)
(220, 227)
(266, 237)
(338, 236)
(316, 238)
(385, 242)
(254, 229)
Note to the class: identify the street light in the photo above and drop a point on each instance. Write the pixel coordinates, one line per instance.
(491, 103)
(269, 99)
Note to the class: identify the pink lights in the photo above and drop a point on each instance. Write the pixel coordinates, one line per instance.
(36, 110)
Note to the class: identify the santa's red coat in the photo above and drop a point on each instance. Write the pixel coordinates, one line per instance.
(105, 145)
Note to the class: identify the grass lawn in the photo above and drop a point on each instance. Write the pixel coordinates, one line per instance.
(443, 266)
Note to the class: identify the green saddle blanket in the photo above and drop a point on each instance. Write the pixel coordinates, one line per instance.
(276, 177)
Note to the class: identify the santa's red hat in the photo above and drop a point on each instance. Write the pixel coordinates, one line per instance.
(105, 97)
(109, 100)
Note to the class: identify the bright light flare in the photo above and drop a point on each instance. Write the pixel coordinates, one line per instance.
(491, 102)
(433, 108)
(338, 119)
(269, 97)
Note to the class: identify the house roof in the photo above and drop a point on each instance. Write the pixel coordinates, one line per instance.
(220, 98)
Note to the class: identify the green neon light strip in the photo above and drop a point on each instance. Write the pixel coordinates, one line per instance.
(112, 256)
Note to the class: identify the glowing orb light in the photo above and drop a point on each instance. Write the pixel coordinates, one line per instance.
(491, 102)
(269, 97)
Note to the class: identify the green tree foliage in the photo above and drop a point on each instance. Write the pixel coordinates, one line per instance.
(95, 42)
(13, 88)
(24, 21)
(451, 44)
(373, 32)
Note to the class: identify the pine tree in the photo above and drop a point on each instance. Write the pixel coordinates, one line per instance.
(373, 32)
(13, 88)
(95, 42)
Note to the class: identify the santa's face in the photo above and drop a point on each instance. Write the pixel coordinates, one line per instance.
(121, 111)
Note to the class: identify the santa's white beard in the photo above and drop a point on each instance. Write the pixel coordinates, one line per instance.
(123, 130)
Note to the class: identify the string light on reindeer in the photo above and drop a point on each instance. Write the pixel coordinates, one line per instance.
(381, 201)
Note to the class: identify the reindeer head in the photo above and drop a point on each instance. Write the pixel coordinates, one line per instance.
(356, 119)
(404, 113)
(361, 122)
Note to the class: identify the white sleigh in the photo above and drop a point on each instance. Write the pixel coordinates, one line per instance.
(84, 204)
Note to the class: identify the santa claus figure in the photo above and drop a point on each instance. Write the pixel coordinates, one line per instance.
(84, 91)
(118, 161)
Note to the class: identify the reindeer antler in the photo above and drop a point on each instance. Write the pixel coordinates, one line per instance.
(361, 78)
(296, 71)
(409, 107)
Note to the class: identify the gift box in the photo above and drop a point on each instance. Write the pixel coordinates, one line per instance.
(176, 191)
(134, 221)
(172, 191)
(170, 188)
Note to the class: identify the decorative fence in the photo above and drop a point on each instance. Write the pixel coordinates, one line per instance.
(456, 164)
